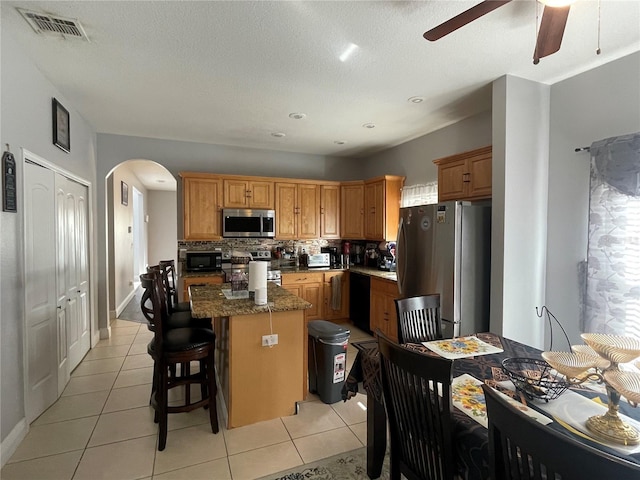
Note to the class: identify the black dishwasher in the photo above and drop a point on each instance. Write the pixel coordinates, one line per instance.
(359, 286)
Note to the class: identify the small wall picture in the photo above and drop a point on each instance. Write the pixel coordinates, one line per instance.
(61, 131)
(124, 193)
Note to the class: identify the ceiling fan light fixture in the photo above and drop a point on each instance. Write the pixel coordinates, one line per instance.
(557, 3)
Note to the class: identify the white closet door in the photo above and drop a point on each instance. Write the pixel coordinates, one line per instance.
(82, 249)
(62, 263)
(72, 203)
(41, 316)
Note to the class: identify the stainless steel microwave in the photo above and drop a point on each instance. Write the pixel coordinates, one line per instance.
(248, 223)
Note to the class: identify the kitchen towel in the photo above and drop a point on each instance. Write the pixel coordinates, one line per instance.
(336, 292)
(257, 275)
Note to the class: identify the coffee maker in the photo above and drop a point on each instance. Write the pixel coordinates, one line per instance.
(334, 258)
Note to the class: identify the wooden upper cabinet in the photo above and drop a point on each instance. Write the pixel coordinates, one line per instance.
(247, 193)
(297, 211)
(308, 216)
(330, 211)
(202, 207)
(352, 210)
(382, 207)
(465, 176)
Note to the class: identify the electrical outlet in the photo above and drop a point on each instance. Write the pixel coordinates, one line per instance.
(269, 340)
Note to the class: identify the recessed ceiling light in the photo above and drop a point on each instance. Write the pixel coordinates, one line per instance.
(160, 180)
(416, 99)
(278, 134)
(350, 50)
(369, 125)
(297, 116)
(340, 142)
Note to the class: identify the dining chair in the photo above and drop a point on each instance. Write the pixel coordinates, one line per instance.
(417, 396)
(419, 318)
(520, 447)
(168, 269)
(179, 346)
(175, 319)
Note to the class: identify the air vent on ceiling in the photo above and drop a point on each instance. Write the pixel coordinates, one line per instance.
(45, 23)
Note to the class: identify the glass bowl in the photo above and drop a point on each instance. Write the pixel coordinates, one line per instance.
(571, 365)
(601, 363)
(613, 347)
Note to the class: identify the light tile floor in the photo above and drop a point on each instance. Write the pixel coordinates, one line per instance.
(102, 427)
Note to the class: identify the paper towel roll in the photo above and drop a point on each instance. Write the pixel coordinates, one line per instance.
(257, 275)
(261, 296)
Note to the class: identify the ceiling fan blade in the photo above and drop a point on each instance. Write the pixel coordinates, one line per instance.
(462, 19)
(554, 19)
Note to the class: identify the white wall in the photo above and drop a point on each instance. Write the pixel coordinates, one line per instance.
(597, 104)
(162, 227)
(414, 159)
(519, 201)
(26, 123)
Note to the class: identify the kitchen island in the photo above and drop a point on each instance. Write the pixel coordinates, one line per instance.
(257, 382)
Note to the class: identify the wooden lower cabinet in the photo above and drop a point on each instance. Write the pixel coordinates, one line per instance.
(383, 308)
(188, 281)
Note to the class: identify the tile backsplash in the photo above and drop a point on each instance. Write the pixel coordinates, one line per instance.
(249, 244)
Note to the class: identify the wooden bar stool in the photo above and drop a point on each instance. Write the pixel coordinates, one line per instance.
(168, 269)
(174, 346)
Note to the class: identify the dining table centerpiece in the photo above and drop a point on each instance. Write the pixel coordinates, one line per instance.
(600, 360)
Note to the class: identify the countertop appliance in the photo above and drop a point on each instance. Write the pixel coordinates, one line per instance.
(318, 260)
(445, 248)
(334, 259)
(203, 261)
(248, 223)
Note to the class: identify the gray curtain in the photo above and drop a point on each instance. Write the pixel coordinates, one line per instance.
(612, 288)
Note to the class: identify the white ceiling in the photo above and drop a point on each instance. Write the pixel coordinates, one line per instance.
(232, 72)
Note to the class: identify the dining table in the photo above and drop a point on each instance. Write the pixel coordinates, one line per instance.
(471, 439)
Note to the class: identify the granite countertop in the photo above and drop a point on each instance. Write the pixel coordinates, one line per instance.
(208, 301)
(202, 274)
(374, 272)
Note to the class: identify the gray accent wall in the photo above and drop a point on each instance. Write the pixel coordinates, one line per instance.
(26, 122)
(601, 103)
(414, 159)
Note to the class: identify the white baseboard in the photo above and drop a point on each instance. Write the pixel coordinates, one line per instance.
(125, 302)
(10, 444)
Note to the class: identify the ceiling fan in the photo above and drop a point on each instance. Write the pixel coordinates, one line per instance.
(554, 19)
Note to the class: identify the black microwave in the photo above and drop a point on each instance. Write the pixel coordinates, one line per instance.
(200, 261)
(248, 223)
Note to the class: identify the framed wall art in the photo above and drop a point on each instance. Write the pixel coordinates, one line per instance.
(124, 194)
(61, 131)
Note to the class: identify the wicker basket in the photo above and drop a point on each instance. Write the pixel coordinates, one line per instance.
(535, 378)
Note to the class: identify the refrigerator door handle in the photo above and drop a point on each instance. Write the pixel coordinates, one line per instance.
(401, 263)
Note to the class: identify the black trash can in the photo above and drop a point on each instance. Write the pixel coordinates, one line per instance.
(327, 359)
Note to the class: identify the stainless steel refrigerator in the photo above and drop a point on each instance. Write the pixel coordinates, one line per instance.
(445, 248)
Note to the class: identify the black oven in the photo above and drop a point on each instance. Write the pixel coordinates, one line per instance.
(200, 261)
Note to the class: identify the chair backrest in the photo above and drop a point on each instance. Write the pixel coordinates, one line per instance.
(518, 443)
(168, 269)
(417, 396)
(418, 318)
(154, 294)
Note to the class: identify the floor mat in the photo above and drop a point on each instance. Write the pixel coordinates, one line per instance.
(132, 310)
